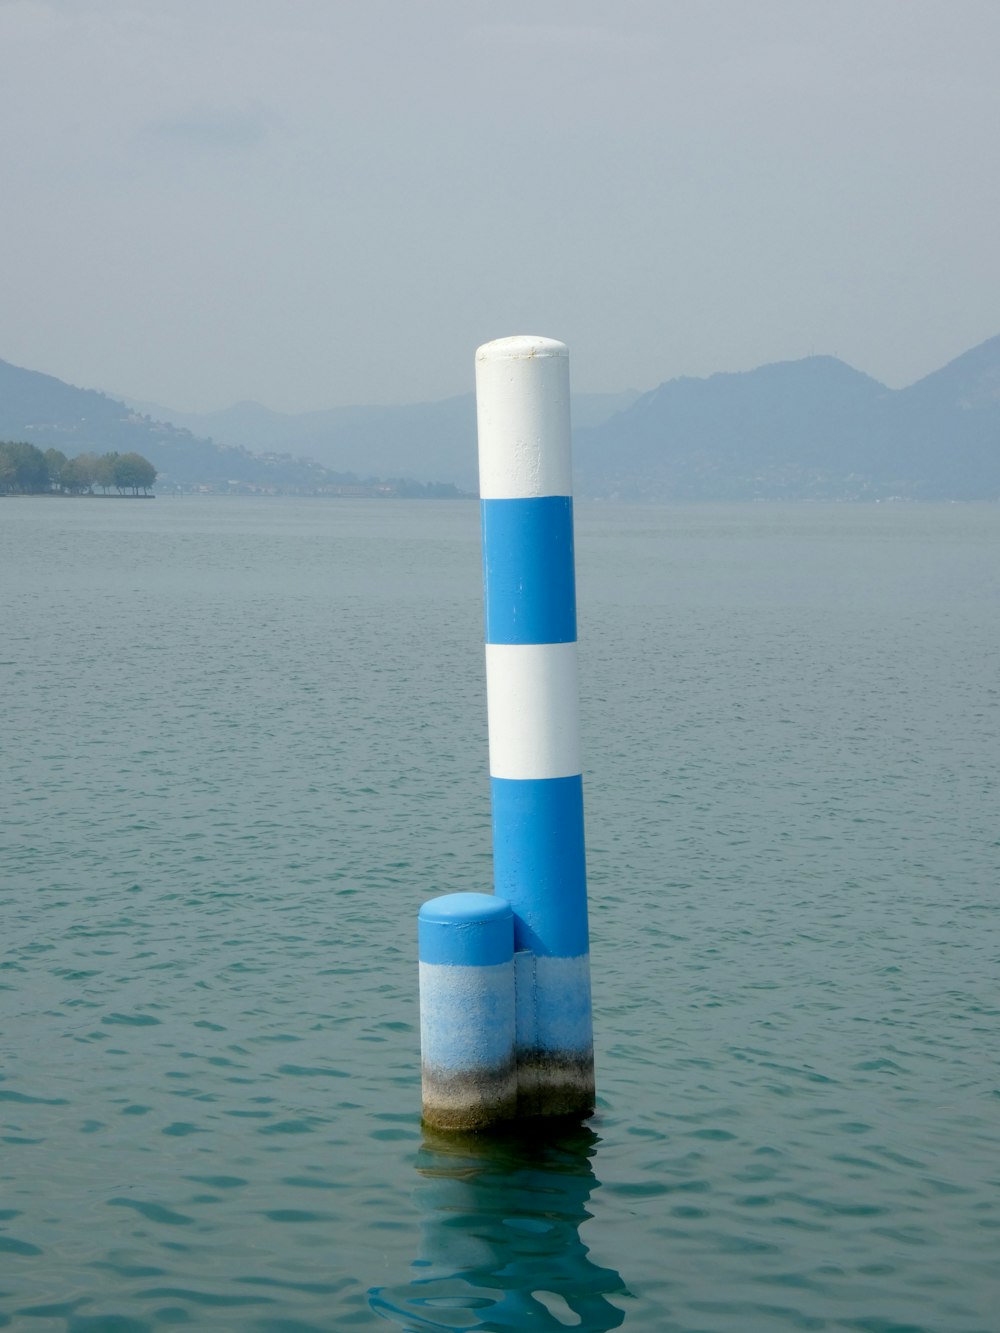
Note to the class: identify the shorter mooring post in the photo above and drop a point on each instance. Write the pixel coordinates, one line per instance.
(526, 490)
(467, 1023)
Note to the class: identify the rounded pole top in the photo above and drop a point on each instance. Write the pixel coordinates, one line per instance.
(460, 908)
(522, 408)
(466, 930)
(521, 346)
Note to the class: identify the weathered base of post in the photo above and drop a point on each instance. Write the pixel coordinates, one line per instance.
(467, 1028)
(473, 1100)
(554, 1085)
(504, 1035)
(555, 1048)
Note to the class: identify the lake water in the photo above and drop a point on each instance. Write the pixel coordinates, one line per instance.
(243, 739)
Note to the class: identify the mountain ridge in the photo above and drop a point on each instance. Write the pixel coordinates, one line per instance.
(812, 428)
(45, 411)
(426, 439)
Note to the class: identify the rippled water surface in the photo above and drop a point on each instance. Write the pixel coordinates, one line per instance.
(243, 739)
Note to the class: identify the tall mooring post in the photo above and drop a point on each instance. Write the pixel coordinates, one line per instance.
(506, 1027)
(526, 490)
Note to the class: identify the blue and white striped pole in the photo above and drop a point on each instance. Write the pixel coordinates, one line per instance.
(468, 1068)
(525, 483)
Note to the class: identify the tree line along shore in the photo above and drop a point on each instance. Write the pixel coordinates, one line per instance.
(26, 470)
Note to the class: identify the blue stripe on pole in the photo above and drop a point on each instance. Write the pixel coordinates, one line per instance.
(539, 864)
(530, 587)
(466, 930)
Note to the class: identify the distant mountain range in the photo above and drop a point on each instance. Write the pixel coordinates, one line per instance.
(809, 429)
(44, 411)
(423, 440)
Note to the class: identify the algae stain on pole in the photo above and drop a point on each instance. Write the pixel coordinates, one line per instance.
(525, 483)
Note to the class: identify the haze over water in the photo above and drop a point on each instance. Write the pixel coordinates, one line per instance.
(244, 739)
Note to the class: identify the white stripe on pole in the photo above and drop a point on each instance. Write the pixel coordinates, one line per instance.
(522, 397)
(531, 694)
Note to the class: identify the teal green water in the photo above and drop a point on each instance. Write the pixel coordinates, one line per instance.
(243, 739)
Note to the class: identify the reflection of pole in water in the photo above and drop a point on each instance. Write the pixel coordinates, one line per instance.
(500, 1238)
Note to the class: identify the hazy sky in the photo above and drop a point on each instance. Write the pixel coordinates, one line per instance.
(318, 202)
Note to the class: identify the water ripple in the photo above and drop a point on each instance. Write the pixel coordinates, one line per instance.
(211, 872)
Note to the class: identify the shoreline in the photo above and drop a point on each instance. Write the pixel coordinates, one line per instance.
(57, 495)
